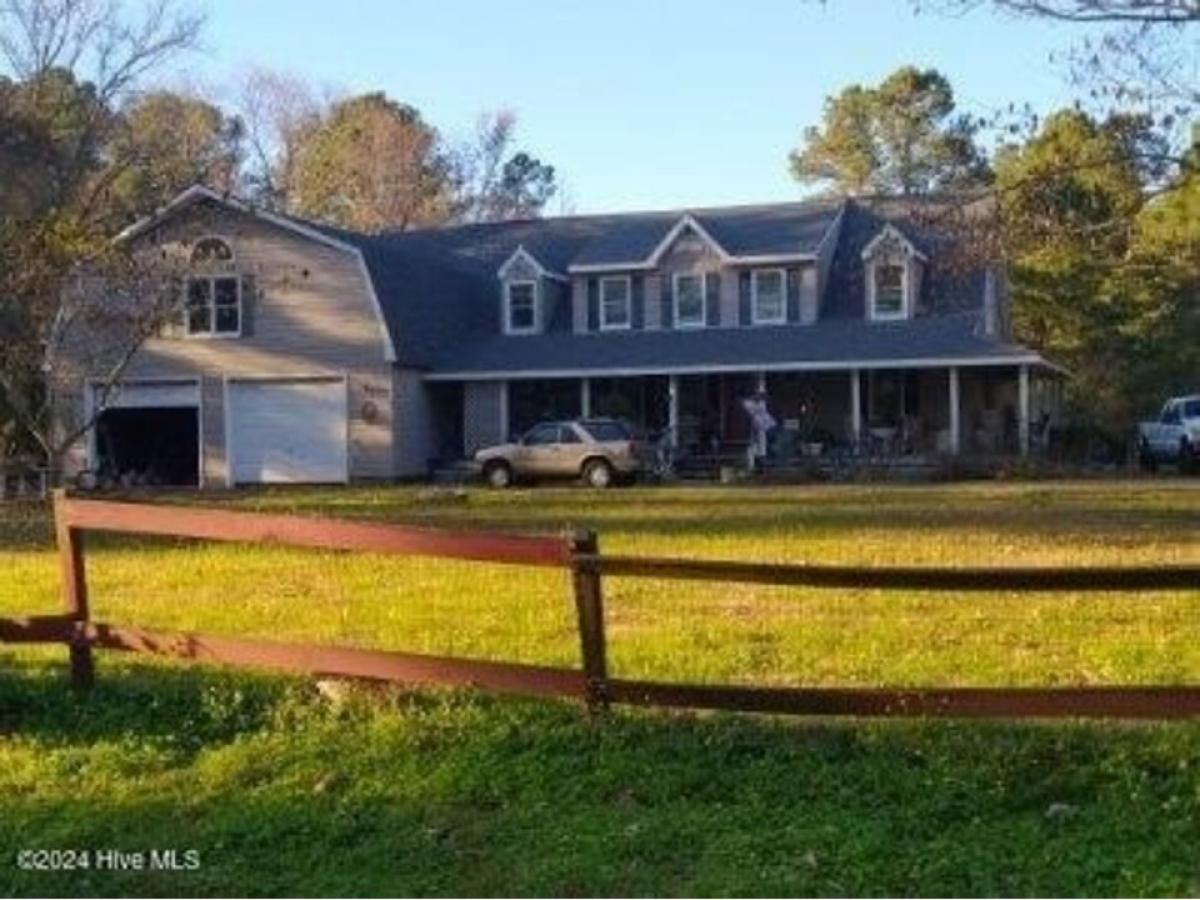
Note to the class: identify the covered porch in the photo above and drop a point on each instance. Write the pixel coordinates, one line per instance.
(917, 411)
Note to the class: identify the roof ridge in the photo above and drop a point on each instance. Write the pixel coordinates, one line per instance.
(814, 203)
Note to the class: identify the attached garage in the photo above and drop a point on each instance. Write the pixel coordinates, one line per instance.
(287, 431)
(148, 432)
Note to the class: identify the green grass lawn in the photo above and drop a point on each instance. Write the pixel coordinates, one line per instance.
(282, 791)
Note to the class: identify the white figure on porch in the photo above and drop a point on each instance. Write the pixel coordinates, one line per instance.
(761, 424)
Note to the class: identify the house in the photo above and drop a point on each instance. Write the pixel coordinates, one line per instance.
(310, 354)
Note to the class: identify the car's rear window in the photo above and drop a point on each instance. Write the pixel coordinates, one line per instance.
(1191, 409)
(607, 431)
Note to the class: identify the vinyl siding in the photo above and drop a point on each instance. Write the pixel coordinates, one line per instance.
(579, 304)
(691, 254)
(729, 298)
(412, 424)
(310, 313)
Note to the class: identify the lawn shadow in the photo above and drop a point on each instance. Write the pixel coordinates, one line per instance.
(185, 707)
(435, 793)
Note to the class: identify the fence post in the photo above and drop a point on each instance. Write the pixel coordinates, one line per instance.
(589, 606)
(74, 591)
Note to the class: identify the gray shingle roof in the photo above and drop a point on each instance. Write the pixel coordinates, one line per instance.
(439, 293)
(780, 228)
(834, 341)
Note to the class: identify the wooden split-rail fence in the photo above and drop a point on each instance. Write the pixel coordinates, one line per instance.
(578, 554)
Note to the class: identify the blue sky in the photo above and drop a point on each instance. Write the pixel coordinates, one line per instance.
(639, 104)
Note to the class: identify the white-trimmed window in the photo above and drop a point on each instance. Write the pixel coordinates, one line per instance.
(616, 303)
(687, 288)
(520, 307)
(214, 292)
(768, 296)
(889, 290)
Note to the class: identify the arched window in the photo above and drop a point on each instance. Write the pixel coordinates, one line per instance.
(211, 250)
(214, 294)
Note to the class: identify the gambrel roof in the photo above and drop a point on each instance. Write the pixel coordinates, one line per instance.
(437, 295)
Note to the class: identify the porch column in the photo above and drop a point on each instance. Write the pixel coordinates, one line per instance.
(1023, 408)
(760, 382)
(856, 406)
(673, 410)
(585, 398)
(502, 407)
(955, 425)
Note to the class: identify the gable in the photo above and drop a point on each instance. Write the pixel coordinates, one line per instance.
(293, 251)
(304, 300)
(892, 243)
(688, 250)
(519, 269)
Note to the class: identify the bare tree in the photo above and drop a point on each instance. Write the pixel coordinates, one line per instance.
(94, 39)
(278, 109)
(1162, 12)
(105, 311)
(494, 181)
(1146, 60)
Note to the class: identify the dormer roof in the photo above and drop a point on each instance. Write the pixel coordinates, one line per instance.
(740, 235)
(890, 234)
(522, 255)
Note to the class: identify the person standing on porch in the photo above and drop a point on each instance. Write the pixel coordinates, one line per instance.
(761, 424)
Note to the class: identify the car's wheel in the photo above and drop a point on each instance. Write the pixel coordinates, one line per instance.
(498, 474)
(597, 473)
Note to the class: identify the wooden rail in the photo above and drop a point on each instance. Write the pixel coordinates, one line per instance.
(578, 553)
(922, 578)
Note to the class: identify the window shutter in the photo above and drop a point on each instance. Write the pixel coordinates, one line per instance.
(637, 302)
(668, 301)
(249, 304)
(744, 298)
(712, 299)
(793, 295)
(172, 324)
(593, 294)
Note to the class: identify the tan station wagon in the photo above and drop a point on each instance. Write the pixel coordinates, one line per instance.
(600, 451)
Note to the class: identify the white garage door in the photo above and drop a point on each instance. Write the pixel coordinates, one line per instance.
(288, 431)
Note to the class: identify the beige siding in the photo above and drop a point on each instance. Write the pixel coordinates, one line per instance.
(579, 311)
(311, 313)
(213, 452)
(808, 295)
(652, 302)
(729, 298)
(413, 432)
(690, 253)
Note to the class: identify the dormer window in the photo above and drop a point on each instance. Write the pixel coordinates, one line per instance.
(889, 292)
(214, 291)
(688, 290)
(768, 296)
(521, 307)
(892, 264)
(615, 303)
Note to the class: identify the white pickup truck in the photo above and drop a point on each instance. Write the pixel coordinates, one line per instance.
(1174, 436)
